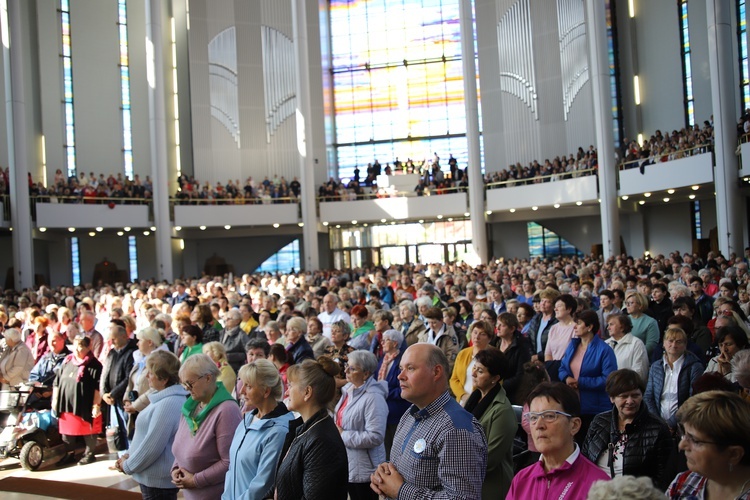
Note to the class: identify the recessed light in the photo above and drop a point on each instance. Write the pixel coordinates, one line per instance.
(42, 229)
(354, 222)
(227, 227)
(647, 195)
(146, 233)
(695, 188)
(202, 228)
(99, 229)
(439, 216)
(450, 219)
(92, 233)
(276, 225)
(670, 191)
(579, 203)
(512, 210)
(556, 205)
(301, 224)
(421, 221)
(535, 208)
(625, 197)
(489, 212)
(692, 196)
(153, 229)
(72, 229)
(382, 220)
(120, 233)
(666, 200)
(126, 229)
(641, 202)
(338, 226)
(325, 223)
(365, 224)
(466, 214)
(178, 228)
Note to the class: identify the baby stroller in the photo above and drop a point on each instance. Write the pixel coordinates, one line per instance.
(27, 434)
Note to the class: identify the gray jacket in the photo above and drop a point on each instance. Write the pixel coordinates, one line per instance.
(364, 420)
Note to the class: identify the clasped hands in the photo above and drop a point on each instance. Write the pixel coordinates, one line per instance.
(386, 480)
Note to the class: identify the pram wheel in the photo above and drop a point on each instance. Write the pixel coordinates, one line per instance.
(31, 455)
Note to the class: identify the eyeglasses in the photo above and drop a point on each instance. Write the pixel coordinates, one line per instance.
(189, 385)
(689, 437)
(549, 416)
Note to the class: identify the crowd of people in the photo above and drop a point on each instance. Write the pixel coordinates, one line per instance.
(664, 147)
(405, 382)
(266, 192)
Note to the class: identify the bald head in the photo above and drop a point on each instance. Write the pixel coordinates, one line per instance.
(424, 374)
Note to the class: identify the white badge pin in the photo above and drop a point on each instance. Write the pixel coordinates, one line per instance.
(420, 445)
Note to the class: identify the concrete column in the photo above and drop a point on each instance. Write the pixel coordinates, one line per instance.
(15, 105)
(471, 102)
(722, 66)
(158, 128)
(596, 29)
(304, 138)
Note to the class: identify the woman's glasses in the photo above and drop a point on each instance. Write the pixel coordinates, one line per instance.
(549, 416)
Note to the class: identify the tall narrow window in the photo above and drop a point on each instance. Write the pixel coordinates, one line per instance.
(75, 261)
(127, 134)
(742, 45)
(687, 72)
(175, 97)
(133, 258)
(614, 72)
(397, 81)
(696, 216)
(69, 142)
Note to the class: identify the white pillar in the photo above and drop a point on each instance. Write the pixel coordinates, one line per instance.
(15, 105)
(304, 139)
(721, 63)
(596, 30)
(471, 102)
(158, 130)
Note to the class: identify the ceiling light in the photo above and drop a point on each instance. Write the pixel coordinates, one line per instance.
(421, 221)
(146, 233)
(99, 229)
(692, 196)
(72, 229)
(42, 229)
(202, 228)
(393, 223)
(365, 224)
(178, 228)
(641, 202)
(354, 222)
(647, 195)
(92, 233)
(450, 219)
(466, 214)
(120, 233)
(382, 220)
(439, 216)
(666, 200)
(579, 203)
(535, 208)
(556, 205)
(625, 198)
(227, 227)
(489, 212)
(338, 226)
(512, 210)
(276, 225)
(182, 244)
(126, 229)
(670, 191)
(695, 188)
(153, 229)
(301, 224)
(325, 223)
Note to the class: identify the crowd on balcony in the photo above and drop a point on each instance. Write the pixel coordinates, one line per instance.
(266, 192)
(666, 146)
(580, 164)
(91, 189)
(618, 363)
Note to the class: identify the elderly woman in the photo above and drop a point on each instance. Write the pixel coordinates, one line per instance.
(731, 340)
(645, 327)
(76, 400)
(461, 382)
(203, 318)
(524, 314)
(218, 354)
(339, 351)
(234, 339)
(517, 350)
(628, 440)
(491, 406)
(413, 329)
(741, 371)
(388, 370)
(16, 360)
(149, 458)
(296, 344)
(315, 465)
(670, 380)
(315, 337)
(361, 322)
(191, 339)
(259, 439)
(630, 351)
(136, 393)
(560, 333)
(587, 363)
(562, 471)
(201, 445)
(714, 429)
(361, 416)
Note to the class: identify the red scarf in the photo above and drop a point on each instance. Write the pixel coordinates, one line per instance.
(387, 358)
(80, 363)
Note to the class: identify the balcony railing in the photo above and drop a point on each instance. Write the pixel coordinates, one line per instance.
(671, 156)
(541, 179)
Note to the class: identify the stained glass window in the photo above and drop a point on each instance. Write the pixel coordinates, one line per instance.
(75, 261)
(687, 72)
(283, 261)
(742, 44)
(127, 133)
(544, 242)
(133, 258)
(69, 142)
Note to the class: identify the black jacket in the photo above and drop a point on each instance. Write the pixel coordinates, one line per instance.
(647, 450)
(316, 466)
(116, 371)
(518, 354)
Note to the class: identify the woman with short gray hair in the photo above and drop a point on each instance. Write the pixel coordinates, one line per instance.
(201, 445)
(361, 416)
(17, 360)
(388, 371)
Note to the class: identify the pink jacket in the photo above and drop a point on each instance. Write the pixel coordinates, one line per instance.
(571, 481)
